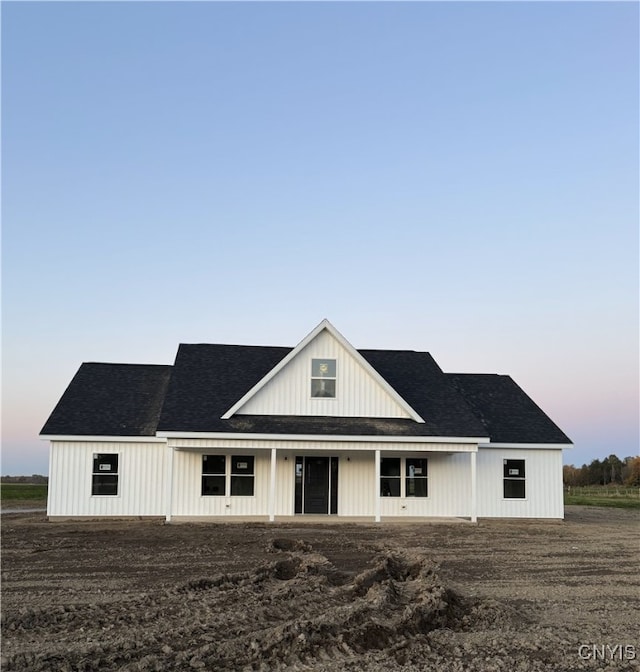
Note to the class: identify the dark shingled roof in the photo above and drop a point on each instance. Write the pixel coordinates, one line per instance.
(206, 380)
(111, 400)
(420, 382)
(508, 414)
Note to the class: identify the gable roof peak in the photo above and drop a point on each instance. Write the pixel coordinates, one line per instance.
(324, 325)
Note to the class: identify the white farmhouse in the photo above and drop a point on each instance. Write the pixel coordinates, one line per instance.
(320, 429)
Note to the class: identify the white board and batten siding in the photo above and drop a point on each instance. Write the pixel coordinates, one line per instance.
(449, 480)
(544, 496)
(358, 394)
(141, 478)
(448, 489)
(449, 477)
(187, 498)
(449, 486)
(142, 474)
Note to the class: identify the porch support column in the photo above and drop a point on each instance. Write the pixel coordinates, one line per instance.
(474, 489)
(168, 498)
(376, 486)
(272, 487)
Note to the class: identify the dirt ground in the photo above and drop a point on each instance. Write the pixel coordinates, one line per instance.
(451, 596)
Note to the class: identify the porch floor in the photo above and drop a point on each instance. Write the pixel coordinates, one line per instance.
(310, 519)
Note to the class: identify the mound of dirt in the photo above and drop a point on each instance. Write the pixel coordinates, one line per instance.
(502, 596)
(281, 615)
(288, 544)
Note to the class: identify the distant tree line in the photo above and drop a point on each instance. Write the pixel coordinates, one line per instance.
(610, 471)
(36, 479)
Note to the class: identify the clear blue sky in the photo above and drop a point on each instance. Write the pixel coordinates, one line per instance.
(460, 178)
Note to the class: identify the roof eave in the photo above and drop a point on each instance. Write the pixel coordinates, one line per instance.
(540, 445)
(114, 438)
(385, 438)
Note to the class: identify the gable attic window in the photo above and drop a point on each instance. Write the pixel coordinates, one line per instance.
(513, 479)
(104, 478)
(323, 378)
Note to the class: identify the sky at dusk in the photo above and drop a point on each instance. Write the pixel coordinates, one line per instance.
(458, 178)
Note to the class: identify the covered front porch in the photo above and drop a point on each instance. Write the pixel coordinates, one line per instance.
(277, 480)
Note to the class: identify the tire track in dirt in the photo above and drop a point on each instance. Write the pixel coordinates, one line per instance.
(295, 611)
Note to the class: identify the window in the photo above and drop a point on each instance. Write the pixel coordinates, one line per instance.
(214, 475)
(242, 476)
(239, 480)
(104, 480)
(298, 485)
(513, 479)
(323, 378)
(415, 477)
(390, 477)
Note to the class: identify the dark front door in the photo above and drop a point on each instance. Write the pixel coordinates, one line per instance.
(316, 485)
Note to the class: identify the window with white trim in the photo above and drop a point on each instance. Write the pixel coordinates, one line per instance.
(104, 477)
(390, 477)
(415, 482)
(514, 483)
(242, 476)
(214, 475)
(323, 378)
(235, 475)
